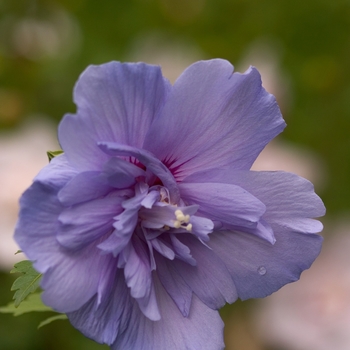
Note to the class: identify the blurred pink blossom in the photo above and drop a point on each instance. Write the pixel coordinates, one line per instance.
(22, 155)
(313, 314)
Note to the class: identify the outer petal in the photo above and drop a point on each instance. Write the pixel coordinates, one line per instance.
(102, 318)
(70, 279)
(118, 320)
(209, 279)
(259, 268)
(37, 224)
(174, 284)
(39, 210)
(202, 329)
(214, 118)
(116, 102)
(57, 173)
(290, 200)
(138, 278)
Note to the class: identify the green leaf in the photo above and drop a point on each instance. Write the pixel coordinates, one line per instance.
(27, 283)
(32, 303)
(53, 154)
(51, 319)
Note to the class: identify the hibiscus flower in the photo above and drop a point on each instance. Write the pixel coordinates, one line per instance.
(151, 220)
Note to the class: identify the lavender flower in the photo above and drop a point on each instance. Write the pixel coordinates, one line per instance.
(151, 219)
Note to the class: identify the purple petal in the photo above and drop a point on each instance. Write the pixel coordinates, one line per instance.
(230, 204)
(138, 277)
(37, 224)
(57, 173)
(214, 118)
(102, 319)
(163, 249)
(77, 274)
(120, 173)
(259, 268)
(120, 237)
(202, 329)
(201, 227)
(117, 103)
(150, 199)
(84, 223)
(107, 280)
(119, 322)
(149, 161)
(262, 230)
(182, 251)
(74, 279)
(174, 284)
(209, 279)
(125, 223)
(83, 187)
(290, 200)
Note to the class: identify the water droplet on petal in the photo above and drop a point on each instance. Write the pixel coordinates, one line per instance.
(262, 270)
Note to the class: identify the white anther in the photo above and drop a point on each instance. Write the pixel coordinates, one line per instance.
(178, 213)
(189, 227)
(177, 224)
(182, 220)
(180, 217)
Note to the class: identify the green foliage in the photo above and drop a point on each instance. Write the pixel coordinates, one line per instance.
(25, 300)
(51, 319)
(53, 154)
(32, 303)
(27, 283)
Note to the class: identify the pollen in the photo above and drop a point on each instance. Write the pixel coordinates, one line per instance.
(182, 220)
(177, 224)
(179, 215)
(189, 227)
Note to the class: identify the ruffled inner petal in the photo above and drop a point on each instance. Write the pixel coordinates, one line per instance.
(182, 251)
(103, 319)
(231, 205)
(290, 200)
(174, 284)
(152, 164)
(120, 173)
(201, 227)
(84, 223)
(83, 187)
(138, 277)
(209, 279)
(118, 322)
(74, 279)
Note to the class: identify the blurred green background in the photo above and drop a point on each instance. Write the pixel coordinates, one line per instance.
(45, 45)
